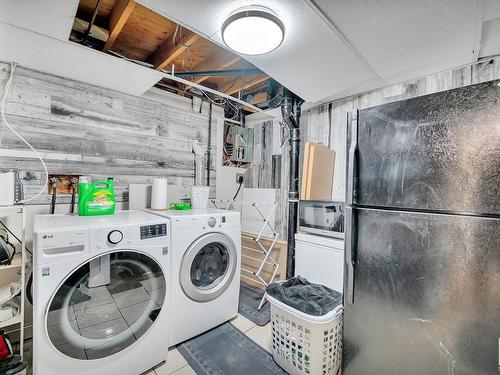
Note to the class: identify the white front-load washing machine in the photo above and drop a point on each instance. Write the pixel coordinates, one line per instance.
(206, 256)
(101, 293)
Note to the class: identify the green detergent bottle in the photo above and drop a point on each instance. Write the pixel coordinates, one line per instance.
(95, 198)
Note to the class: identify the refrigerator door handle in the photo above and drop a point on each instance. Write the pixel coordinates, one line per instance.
(351, 146)
(349, 260)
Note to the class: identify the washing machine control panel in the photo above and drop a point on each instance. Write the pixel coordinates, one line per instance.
(115, 237)
(124, 236)
(152, 231)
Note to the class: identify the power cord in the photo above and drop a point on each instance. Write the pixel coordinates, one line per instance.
(240, 180)
(4, 99)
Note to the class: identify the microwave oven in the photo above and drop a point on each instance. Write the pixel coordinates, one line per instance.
(322, 217)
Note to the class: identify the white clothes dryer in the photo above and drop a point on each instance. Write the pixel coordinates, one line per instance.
(101, 300)
(206, 256)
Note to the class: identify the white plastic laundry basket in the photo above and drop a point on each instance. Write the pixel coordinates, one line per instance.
(306, 344)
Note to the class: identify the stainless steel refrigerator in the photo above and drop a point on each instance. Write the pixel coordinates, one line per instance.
(422, 248)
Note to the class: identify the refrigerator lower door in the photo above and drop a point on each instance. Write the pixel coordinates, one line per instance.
(425, 294)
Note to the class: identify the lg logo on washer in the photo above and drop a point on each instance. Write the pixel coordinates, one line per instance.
(45, 236)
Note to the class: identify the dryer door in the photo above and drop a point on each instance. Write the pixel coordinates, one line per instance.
(208, 267)
(105, 305)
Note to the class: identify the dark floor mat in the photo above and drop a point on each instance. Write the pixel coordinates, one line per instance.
(250, 298)
(225, 350)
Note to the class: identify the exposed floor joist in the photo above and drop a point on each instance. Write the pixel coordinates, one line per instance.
(167, 52)
(129, 30)
(243, 85)
(215, 61)
(119, 15)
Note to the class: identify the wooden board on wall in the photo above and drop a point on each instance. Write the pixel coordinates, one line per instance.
(319, 164)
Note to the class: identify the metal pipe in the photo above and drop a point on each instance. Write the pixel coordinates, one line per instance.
(91, 23)
(290, 110)
(209, 147)
(214, 73)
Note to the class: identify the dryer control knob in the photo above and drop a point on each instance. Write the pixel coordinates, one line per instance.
(211, 222)
(115, 236)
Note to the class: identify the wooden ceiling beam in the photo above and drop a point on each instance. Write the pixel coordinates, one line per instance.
(241, 86)
(119, 15)
(166, 53)
(259, 98)
(96, 32)
(216, 61)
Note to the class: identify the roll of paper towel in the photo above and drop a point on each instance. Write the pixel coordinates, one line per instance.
(7, 195)
(159, 194)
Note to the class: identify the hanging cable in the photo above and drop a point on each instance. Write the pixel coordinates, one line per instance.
(239, 187)
(4, 99)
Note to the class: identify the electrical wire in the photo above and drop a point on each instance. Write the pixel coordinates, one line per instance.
(175, 34)
(4, 99)
(239, 188)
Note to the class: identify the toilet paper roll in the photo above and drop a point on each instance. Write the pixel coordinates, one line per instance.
(159, 194)
(7, 195)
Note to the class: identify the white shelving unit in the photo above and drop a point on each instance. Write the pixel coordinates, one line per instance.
(15, 270)
(264, 222)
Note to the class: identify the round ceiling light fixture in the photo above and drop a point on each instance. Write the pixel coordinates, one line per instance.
(253, 30)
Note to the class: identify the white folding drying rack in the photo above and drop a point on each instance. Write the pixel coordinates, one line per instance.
(256, 275)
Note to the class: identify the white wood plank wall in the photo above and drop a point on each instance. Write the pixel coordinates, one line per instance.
(83, 129)
(326, 124)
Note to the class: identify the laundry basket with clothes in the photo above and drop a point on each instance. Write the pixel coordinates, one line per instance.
(306, 327)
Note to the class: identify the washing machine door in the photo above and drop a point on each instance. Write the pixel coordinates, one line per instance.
(106, 305)
(208, 267)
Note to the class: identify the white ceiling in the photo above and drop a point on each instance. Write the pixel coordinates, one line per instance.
(53, 18)
(334, 48)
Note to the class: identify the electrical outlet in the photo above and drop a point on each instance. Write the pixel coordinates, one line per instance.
(240, 177)
(63, 185)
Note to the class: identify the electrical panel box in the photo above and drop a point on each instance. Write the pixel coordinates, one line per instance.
(242, 144)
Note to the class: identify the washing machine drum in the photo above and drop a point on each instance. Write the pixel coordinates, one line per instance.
(208, 267)
(106, 305)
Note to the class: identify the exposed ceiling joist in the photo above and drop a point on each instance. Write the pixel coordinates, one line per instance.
(215, 61)
(119, 15)
(133, 32)
(259, 98)
(95, 31)
(243, 85)
(167, 52)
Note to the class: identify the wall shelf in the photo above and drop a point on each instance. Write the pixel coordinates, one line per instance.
(10, 322)
(18, 264)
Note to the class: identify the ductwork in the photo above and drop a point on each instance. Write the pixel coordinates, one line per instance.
(291, 110)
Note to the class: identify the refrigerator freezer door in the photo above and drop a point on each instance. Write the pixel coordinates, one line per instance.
(426, 295)
(435, 152)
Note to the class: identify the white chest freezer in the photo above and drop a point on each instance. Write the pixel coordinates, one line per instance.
(320, 260)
